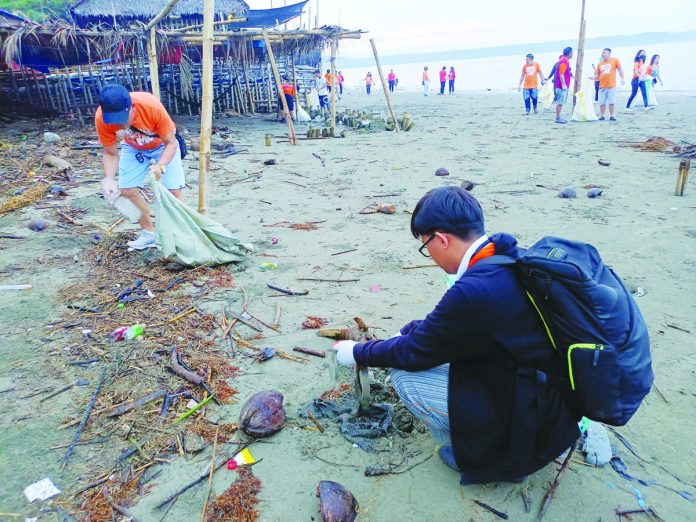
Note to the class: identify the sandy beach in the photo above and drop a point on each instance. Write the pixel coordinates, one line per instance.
(518, 164)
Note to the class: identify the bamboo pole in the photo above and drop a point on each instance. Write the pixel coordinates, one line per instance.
(279, 85)
(154, 66)
(163, 13)
(384, 86)
(206, 103)
(333, 86)
(581, 54)
(683, 177)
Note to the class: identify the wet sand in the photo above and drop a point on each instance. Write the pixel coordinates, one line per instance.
(646, 233)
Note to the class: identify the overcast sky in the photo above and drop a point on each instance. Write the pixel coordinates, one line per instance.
(409, 26)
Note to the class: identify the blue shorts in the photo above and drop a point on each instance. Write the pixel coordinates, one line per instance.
(607, 96)
(560, 96)
(132, 171)
(533, 93)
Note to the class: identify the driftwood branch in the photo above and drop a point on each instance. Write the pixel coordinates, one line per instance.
(182, 372)
(137, 403)
(163, 13)
(554, 486)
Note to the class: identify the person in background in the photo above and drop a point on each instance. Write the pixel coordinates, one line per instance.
(451, 76)
(476, 369)
(369, 82)
(653, 71)
(322, 91)
(329, 80)
(529, 83)
(638, 81)
(289, 93)
(443, 79)
(425, 82)
(606, 74)
(391, 78)
(561, 82)
(147, 134)
(340, 79)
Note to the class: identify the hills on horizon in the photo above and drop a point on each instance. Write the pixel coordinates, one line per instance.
(540, 47)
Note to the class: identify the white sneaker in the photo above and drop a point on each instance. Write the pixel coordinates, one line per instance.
(649, 108)
(146, 239)
(628, 110)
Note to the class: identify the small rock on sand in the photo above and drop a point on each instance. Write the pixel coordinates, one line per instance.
(568, 193)
(442, 171)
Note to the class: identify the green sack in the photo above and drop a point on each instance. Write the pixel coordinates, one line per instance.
(189, 238)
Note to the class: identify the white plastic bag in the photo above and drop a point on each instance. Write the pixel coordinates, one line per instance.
(546, 95)
(584, 104)
(302, 115)
(313, 99)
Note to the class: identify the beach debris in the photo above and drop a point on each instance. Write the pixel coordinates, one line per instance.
(376, 289)
(25, 198)
(37, 225)
(442, 171)
(379, 208)
(41, 490)
(362, 390)
(604, 163)
(653, 144)
(682, 177)
(309, 351)
(336, 503)
(263, 414)
(568, 193)
(498, 513)
(594, 192)
(58, 163)
(265, 354)
(243, 458)
(550, 493)
(271, 161)
(286, 291)
(15, 287)
(468, 185)
(596, 445)
(50, 137)
(239, 501)
(57, 190)
(313, 322)
(267, 266)
(274, 240)
(639, 292)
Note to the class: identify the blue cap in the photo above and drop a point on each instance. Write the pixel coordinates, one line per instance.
(115, 103)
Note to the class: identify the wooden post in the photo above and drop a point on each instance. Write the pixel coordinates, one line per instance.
(384, 86)
(154, 67)
(206, 103)
(581, 54)
(683, 176)
(279, 86)
(163, 13)
(333, 85)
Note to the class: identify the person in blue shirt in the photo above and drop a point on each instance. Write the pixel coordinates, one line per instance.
(478, 369)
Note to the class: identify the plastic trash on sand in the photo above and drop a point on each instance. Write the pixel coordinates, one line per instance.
(41, 490)
(546, 95)
(302, 115)
(189, 238)
(584, 104)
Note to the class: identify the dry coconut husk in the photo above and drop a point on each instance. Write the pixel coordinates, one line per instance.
(654, 144)
(29, 196)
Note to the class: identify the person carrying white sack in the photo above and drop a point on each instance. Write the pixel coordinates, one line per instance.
(148, 143)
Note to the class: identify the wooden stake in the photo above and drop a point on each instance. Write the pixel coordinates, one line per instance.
(333, 85)
(581, 54)
(384, 86)
(279, 85)
(206, 103)
(154, 67)
(683, 176)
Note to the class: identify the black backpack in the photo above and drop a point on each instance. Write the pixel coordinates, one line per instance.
(598, 333)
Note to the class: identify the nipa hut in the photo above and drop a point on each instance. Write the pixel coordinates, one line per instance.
(62, 66)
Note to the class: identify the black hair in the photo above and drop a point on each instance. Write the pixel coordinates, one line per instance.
(567, 51)
(448, 209)
(638, 55)
(654, 57)
(530, 55)
(606, 49)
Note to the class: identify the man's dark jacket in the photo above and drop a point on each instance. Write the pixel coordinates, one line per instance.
(506, 420)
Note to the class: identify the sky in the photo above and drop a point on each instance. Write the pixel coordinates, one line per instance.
(407, 26)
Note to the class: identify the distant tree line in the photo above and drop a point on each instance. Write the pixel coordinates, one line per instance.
(37, 10)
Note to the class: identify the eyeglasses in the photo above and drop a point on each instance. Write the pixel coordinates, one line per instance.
(422, 248)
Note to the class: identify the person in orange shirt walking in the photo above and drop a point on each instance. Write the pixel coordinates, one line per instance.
(369, 82)
(606, 74)
(529, 83)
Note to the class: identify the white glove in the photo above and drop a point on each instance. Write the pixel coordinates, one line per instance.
(110, 190)
(344, 352)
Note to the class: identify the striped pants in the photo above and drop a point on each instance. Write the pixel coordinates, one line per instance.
(424, 393)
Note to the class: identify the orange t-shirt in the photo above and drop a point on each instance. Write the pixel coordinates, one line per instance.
(531, 78)
(426, 78)
(637, 66)
(149, 116)
(607, 72)
(288, 89)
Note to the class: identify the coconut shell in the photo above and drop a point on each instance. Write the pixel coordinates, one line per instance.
(263, 414)
(468, 185)
(442, 171)
(336, 503)
(37, 225)
(568, 193)
(594, 192)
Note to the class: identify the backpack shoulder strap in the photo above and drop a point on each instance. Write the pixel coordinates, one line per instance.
(496, 259)
(152, 135)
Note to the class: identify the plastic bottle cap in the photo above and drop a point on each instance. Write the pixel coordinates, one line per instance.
(121, 305)
(231, 464)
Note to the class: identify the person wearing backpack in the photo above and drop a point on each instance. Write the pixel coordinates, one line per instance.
(477, 369)
(149, 141)
(562, 75)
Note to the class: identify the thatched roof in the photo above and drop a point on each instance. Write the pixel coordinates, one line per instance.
(148, 9)
(10, 20)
